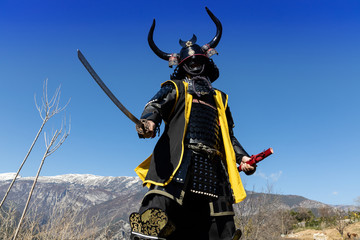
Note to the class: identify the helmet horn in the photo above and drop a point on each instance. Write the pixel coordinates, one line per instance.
(214, 42)
(153, 46)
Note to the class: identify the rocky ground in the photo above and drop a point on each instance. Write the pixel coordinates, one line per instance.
(326, 234)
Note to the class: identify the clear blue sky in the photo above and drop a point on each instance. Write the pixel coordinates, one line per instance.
(291, 69)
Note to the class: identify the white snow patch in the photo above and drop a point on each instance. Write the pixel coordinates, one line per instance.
(83, 179)
(8, 176)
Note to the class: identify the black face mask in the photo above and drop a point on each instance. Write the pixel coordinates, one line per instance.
(194, 66)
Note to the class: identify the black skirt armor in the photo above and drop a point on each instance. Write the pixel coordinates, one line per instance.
(204, 175)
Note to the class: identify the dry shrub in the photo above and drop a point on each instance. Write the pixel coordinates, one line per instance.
(63, 223)
(261, 217)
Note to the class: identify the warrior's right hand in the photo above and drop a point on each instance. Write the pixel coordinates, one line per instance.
(146, 129)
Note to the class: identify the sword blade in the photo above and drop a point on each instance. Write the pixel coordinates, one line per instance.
(106, 89)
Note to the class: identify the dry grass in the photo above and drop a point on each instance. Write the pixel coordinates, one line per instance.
(63, 223)
(331, 233)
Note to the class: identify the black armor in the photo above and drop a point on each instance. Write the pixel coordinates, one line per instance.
(200, 86)
(204, 175)
(162, 102)
(203, 138)
(203, 127)
(187, 174)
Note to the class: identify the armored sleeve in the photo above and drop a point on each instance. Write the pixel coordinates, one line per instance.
(239, 150)
(159, 107)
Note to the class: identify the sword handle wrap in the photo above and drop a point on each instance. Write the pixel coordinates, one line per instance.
(254, 159)
(146, 128)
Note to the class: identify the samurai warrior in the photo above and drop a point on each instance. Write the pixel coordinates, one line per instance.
(192, 173)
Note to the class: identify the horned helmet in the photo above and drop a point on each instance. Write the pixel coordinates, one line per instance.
(192, 60)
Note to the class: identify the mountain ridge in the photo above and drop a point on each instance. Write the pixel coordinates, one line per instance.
(111, 199)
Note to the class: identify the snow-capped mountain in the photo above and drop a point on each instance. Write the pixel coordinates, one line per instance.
(86, 191)
(83, 189)
(6, 176)
(110, 199)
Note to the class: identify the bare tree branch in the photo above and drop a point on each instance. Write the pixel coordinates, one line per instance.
(46, 111)
(60, 141)
(51, 147)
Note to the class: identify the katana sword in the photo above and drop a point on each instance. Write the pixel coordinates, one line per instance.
(106, 89)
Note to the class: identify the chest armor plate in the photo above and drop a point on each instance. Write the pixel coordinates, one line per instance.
(203, 127)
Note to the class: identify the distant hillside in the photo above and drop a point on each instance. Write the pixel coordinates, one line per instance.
(110, 199)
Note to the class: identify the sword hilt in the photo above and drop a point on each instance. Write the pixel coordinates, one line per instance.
(143, 129)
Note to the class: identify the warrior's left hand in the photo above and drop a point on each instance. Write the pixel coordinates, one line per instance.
(247, 168)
